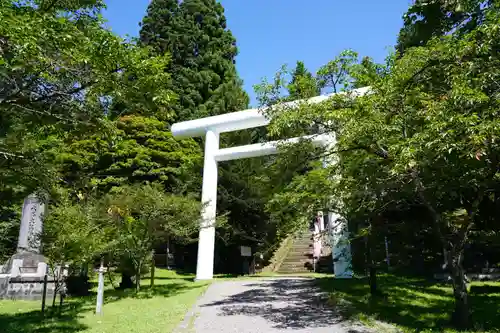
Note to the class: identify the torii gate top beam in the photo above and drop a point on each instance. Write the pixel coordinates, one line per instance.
(240, 120)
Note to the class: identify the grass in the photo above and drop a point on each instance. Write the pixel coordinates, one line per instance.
(413, 305)
(157, 309)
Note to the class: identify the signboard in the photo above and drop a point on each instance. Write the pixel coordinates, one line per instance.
(246, 251)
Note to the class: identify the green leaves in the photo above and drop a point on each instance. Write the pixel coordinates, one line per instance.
(425, 20)
(303, 84)
(142, 215)
(62, 75)
(74, 233)
(335, 74)
(127, 222)
(135, 149)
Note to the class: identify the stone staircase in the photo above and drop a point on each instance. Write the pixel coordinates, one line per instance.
(299, 257)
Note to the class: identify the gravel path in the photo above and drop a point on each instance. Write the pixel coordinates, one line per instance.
(264, 305)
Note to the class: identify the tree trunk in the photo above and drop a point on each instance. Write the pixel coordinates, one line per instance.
(55, 273)
(138, 282)
(373, 281)
(461, 315)
(110, 278)
(152, 274)
(126, 281)
(372, 271)
(54, 297)
(138, 277)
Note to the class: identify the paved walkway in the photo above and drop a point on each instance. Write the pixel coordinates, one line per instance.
(264, 305)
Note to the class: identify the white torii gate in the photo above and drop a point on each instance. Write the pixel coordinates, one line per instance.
(211, 127)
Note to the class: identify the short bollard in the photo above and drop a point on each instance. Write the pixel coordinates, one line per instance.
(100, 290)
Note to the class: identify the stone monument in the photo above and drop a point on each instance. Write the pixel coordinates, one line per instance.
(23, 274)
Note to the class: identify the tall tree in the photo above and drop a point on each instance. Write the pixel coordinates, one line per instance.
(303, 83)
(203, 51)
(427, 19)
(204, 78)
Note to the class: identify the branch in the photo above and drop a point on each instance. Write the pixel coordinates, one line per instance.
(51, 5)
(380, 153)
(70, 92)
(472, 212)
(7, 155)
(434, 214)
(428, 65)
(45, 113)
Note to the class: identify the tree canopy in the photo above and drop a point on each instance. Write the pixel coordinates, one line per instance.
(425, 20)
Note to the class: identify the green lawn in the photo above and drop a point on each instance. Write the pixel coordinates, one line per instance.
(159, 309)
(413, 305)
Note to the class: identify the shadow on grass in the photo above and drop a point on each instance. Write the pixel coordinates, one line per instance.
(412, 304)
(59, 320)
(170, 278)
(67, 318)
(163, 290)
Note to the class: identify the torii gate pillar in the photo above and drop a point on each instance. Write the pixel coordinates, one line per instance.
(206, 243)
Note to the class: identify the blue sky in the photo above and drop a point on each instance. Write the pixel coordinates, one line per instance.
(271, 33)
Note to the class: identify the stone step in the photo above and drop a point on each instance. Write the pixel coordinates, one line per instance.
(302, 263)
(294, 258)
(303, 239)
(301, 248)
(302, 244)
(298, 258)
(299, 261)
(300, 252)
(291, 271)
(302, 268)
(298, 264)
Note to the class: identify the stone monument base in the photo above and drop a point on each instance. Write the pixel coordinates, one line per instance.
(25, 289)
(22, 277)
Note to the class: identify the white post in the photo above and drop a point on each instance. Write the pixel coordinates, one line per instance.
(206, 243)
(100, 290)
